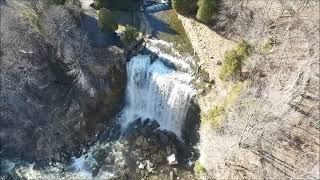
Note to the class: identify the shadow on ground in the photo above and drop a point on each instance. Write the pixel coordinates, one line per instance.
(98, 39)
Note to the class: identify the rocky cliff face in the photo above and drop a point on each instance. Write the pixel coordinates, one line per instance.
(55, 87)
(271, 130)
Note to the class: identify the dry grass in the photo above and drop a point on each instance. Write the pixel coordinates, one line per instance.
(277, 110)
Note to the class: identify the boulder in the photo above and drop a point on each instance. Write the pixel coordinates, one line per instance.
(153, 149)
(153, 124)
(141, 165)
(172, 159)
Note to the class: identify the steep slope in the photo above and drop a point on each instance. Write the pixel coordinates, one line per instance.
(270, 127)
(55, 87)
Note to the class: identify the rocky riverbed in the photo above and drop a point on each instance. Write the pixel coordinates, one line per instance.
(143, 152)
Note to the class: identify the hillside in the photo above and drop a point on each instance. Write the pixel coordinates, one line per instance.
(269, 125)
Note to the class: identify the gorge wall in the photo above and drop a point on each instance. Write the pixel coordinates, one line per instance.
(56, 89)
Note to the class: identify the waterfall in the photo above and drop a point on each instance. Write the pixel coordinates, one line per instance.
(157, 92)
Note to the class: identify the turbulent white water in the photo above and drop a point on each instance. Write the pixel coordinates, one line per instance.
(157, 92)
(153, 91)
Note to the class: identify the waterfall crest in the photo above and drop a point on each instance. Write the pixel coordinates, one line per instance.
(157, 92)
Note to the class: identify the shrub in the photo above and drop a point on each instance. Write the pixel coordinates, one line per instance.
(233, 61)
(32, 12)
(234, 93)
(106, 21)
(267, 46)
(207, 8)
(75, 8)
(198, 168)
(98, 3)
(129, 35)
(185, 7)
(213, 116)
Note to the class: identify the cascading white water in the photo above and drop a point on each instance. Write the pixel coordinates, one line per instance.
(153, 91)
(157, 92)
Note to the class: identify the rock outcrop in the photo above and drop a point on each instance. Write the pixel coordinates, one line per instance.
(144, 152)
(153, 149)
(55, 87)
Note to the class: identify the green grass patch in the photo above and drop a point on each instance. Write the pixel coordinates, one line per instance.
(267, 46)
(198, 168)
(214, 115)
(234, 94)
(233, 61)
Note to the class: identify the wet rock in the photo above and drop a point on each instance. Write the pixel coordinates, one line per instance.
(95, 172)
(153, 124)
(153, 57)
(108, 160)
(141, 166)
(146, 122)
(168, 149)
(149, 166)
(172, 159)
(137, 123)
(152, 148)
(145, 145)
(172, 136)
(158, 157)
(139, 140)
(162, 137)
(56, 157)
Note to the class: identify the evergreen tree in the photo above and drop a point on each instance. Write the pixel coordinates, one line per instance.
(207, 8)
(185, 7)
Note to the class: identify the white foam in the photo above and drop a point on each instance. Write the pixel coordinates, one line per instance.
(157, 92)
